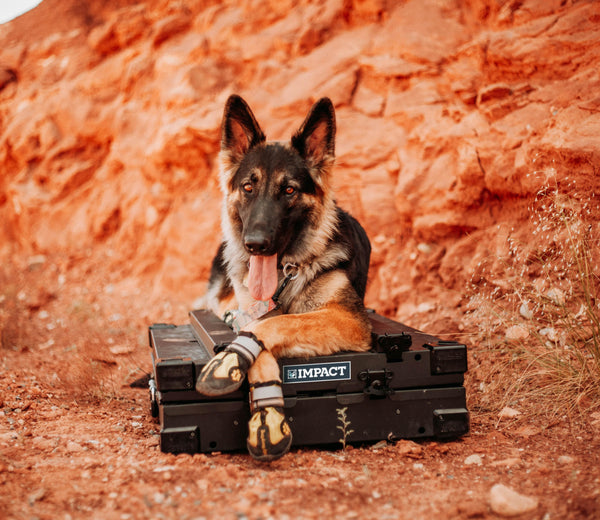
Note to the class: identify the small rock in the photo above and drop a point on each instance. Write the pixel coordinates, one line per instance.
(508, 413)
(474, 459)
(505, 501)
(39, 494)
(565, 460)
(36, 261)
(516, 332)
(73, 447)
(163, 469)
(41, 443)
(118, 350)
(424, 248)
(550, 333)
(409, 449)
(525, 311)
(528, 431)
(507, 463)
(556, 295)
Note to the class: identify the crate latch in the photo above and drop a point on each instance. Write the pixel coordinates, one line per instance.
(376, 382)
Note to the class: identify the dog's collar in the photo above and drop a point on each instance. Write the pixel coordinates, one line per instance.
(290, 272)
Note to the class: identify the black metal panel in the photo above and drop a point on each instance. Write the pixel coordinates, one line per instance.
(426, 362)
(352, 418)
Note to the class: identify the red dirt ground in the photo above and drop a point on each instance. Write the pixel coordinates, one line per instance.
(450, 133)
(77, 441)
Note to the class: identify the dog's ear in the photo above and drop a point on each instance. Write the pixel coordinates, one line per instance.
(315, 140)
(239, 130)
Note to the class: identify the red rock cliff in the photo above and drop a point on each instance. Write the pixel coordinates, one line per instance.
(452, 115)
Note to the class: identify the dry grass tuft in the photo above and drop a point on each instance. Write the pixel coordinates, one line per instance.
(540, 301)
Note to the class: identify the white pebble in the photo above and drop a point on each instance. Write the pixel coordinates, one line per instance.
(525, 311)
(556, 295)
(565, 460)
(474, 459)
(505, 501)
(516, 332)
(550, 333)
(508, 413)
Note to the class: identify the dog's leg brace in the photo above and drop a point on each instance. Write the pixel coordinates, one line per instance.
(269, 434)
(225, 372)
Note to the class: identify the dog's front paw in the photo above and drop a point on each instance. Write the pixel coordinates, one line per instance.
(225, 372)
(269, 434)
(222, 375)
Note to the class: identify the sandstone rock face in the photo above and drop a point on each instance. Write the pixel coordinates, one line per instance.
(452, 115)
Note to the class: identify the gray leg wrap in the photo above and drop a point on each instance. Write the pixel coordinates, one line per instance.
(266, 394)
(247, 346)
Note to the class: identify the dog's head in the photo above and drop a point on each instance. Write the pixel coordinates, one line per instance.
(275, 192)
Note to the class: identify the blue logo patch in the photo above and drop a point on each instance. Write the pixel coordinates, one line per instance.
(312, 372)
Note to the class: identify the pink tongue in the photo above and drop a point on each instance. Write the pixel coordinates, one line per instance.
(262, 278)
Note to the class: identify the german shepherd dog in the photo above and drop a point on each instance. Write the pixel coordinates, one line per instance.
(289, 250)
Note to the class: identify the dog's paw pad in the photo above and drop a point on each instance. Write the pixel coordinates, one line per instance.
(269, 434)
(223, 374)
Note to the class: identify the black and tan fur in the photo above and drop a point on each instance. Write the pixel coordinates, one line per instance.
(278, 200)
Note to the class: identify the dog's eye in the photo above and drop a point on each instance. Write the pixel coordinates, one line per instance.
(290, 190)
(247, 187)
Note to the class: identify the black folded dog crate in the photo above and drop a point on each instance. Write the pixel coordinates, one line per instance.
(409, 385)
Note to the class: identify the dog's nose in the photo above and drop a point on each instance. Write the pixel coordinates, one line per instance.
(257, 243)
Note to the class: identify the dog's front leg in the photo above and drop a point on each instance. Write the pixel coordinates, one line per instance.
(330, 329)
(327, 330)
(269, 434)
